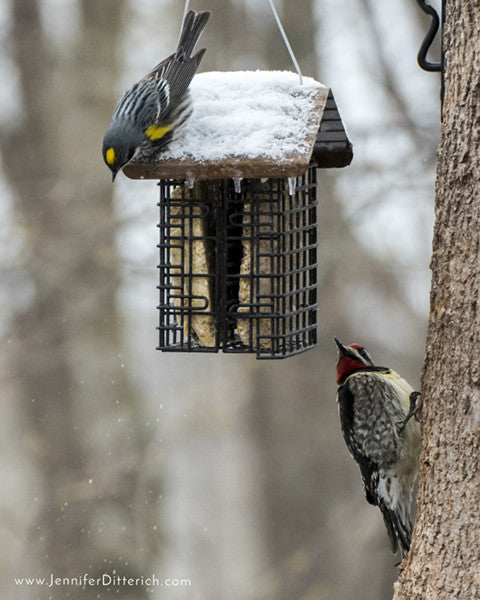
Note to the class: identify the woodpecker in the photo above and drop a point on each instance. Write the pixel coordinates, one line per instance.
(376, 407)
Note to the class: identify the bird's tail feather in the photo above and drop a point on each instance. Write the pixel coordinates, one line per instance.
(179, 68)
(399, 531)
(193, 26)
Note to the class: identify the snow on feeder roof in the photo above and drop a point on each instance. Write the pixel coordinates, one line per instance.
(246, 124)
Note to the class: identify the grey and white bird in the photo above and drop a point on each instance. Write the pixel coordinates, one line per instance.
(376, 407)
(149, 115)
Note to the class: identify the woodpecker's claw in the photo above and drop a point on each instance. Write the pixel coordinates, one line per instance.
(413, 411)
(415, 407)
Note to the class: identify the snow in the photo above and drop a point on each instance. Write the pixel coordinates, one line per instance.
(252, 114)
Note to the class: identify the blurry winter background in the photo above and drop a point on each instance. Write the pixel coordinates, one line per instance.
(226, 471)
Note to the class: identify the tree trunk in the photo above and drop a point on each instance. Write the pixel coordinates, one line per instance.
(445, 555)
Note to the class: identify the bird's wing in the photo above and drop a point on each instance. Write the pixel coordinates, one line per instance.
(375, 411)
(178, 74)
(180, 67)
(139, 104)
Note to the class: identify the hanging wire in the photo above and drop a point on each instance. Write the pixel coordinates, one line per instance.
(287, 43)
(280, 27)
(185, 10)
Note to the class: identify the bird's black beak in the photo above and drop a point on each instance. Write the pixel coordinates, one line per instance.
(342, 350)
(114, 174)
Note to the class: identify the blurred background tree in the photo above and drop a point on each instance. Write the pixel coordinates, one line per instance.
(218, 469)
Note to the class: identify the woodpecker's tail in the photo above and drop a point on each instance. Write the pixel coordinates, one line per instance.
(395, 502)
(399, 530)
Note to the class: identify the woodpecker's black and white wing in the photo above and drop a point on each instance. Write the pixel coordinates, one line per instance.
(371, 409)
(373, 405)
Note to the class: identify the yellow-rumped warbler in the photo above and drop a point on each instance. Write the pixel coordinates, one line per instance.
(149, 114)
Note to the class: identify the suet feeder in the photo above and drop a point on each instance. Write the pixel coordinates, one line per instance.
(238, 213)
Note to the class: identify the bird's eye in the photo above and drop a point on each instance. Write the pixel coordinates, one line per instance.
(363, 353)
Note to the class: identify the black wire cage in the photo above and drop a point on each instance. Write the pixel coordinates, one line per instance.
(238, 243)
(238, 265)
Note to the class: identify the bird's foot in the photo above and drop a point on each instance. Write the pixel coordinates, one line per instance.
(413, 411)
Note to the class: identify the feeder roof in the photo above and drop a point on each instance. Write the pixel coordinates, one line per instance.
(243, 124)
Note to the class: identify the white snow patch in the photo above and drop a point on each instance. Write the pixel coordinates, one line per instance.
(250, 114)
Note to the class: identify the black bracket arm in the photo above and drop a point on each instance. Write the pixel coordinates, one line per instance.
(423, 62)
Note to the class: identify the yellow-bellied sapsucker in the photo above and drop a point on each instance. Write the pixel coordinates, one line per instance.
(376, 408)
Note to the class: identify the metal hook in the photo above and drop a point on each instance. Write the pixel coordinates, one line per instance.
(425, 64)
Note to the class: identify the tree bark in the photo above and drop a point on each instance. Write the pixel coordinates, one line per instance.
(445, 557)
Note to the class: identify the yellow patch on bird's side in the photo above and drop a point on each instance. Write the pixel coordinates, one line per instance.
(110, 156)
(155, 132)
(400, 382)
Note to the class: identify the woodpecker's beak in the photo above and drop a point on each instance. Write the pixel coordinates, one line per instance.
(114, 174)
(342, 350)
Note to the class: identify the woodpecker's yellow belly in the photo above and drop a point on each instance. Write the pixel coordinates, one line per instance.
(408, 464)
